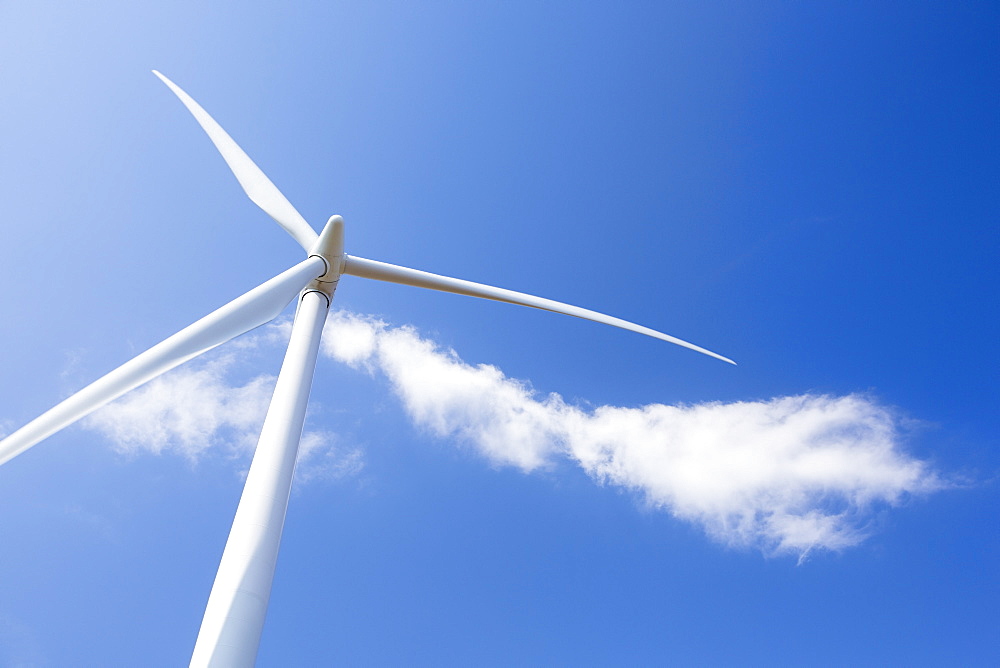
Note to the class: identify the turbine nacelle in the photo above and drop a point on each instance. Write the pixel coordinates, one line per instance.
(329, 247)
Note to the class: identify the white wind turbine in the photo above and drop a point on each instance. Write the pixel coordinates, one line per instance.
(234, 617)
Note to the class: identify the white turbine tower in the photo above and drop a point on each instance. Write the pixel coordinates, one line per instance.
(234, 617)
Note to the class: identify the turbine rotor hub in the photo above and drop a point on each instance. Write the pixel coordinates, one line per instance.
(329, 247)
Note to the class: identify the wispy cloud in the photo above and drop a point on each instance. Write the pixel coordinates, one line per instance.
(198, 408)
(187, 411)
(790, 474)
(786, 475)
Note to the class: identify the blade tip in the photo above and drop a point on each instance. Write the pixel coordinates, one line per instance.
(162, 77)
(719, 357)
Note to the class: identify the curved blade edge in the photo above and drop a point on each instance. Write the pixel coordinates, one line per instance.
(257, 186)
(383, 271)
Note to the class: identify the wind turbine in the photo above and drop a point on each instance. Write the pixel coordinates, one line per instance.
(237, 605)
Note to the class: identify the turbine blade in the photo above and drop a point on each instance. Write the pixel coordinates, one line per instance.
(255, 183)
(263, 303)
(382, 271)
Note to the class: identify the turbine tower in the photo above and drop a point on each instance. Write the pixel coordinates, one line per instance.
(237, 605)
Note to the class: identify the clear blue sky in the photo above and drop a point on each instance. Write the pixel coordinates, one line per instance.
(808, 189)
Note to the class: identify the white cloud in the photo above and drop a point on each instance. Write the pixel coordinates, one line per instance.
(196, 408)
(789, 474)
(785, 475)
(188, 411)
(323, 457)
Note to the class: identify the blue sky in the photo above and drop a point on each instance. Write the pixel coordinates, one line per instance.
(810, 190)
